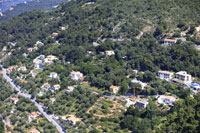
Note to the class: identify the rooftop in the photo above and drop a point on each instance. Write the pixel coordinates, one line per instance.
(170, 40)
(166, 72)
(14, 98)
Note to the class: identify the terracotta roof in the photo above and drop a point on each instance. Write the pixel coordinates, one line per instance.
(34, 131)
(11, 67)
(52, 99)
(14, 98)
(53, 73)
(46, 84)
(23, 81)
(170, 40)
(35, 113)
(114, 87)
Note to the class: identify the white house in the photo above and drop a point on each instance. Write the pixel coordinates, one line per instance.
(169, 42)
(56, 87)
(53, 75)
(165, 75)
(114, 89)
(183, 76)
(109, 52)
(45, 86)
(76, 75)
(70, 89)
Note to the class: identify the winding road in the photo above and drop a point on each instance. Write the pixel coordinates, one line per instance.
(16, 87)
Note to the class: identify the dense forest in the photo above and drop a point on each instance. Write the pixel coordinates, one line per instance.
(5, 90)
(134, 30)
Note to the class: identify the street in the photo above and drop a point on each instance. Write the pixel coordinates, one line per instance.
(16, 87)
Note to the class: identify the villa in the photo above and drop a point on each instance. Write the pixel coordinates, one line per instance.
(114, 89)
(52, 100)
(49, 59)
(56, 87)
(10, 69)
(4, 48)
(70, 89)
(54, 34)
(165, 75)
(22, 68)
(33, 116)
(109, 52)
(53, 75)
(45, 86)
(14, 100)
(169, 42)
(183, 76)
(76, 75)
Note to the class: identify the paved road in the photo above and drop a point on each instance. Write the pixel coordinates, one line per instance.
(48, 117)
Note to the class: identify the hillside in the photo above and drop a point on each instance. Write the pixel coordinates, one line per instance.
(108, 43)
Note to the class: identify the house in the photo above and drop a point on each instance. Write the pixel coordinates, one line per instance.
(34, 131)
(95, 44)
(170, 100)
(70, 89)
(39, 66)
(56, 87)
(52, 100)
(72, 120)
(135, 71)
(10, 69)
(4, 49)
(45, 86)
(1, 72)
(9, 53)
(62, 28)
(166, 75)
(53, 75)
(90, 53)
(142, 103)
(49, 59)
(143, 85)
(109, 52)
(33, 116)
(22, 68)
(76, 75)
(33, 73)
(37, 61)
(30, 50)
(39, 44)
(23, 81)
(54, 34)
(14, 100)
(114, 89)
(183, 76)
(40, 94)
(169, 42)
